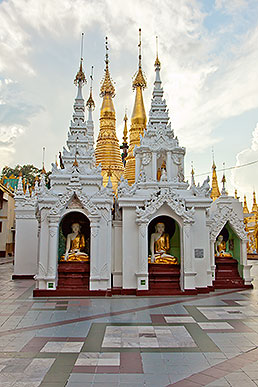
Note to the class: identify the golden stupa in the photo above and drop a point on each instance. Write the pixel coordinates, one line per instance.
(107, 149)
(138, 120)
(215, 193)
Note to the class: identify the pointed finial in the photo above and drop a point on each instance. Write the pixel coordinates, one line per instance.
(192, 173)
(80, 78)
(245, 208)
(157, 61)
(139, 80)
(43, 161)
(106, 45)
(107, 86)
(213, 159)
(140, 48)
(254, 208)
(223, 191)
(125, 127)
(90, 103)
(236, 197)
(56, 161)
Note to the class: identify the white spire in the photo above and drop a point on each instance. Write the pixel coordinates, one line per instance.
(80, 140)
(91, 106)
(19, 190)
(158, 111)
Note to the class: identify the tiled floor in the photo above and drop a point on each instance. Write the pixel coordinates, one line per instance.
(205, 340)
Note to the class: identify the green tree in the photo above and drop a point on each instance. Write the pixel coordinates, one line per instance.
(29, 172)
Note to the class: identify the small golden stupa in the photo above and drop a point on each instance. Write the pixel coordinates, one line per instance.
(107, 149)
(138, 120)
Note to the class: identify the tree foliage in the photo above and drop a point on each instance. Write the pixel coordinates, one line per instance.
(29, 172)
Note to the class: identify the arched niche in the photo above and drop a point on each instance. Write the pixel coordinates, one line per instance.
(65, 228)
(161, 164)
(232, 241)
(172, 228)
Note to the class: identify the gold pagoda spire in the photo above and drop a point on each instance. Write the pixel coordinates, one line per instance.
(138, 119)
(125, 129)
(245, 208)
(254, 208)
(215, 193)
(107, 149)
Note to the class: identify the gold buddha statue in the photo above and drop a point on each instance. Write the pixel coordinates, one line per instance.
(220, 247)
(75, 243)
(160, 245)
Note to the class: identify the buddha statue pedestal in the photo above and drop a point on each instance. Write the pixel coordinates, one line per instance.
(73, 275)
(226, 274)
(164, 279)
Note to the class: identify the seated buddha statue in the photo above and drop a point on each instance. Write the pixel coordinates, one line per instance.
(160, 245)
(75, 243)
(220, 247)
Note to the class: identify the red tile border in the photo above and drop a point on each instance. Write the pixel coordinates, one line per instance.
(219, 370)
(121, 312)
(131, 363)
(107, 370)
(157, 319)
(202, 379)
(84, 369)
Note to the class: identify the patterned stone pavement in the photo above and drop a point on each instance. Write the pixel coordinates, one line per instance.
(205, 340)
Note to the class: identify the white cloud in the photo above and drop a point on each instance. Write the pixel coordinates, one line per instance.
(39, 43)
(231, 6)
(245, 179)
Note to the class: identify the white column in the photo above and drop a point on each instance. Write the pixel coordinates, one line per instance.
(137, 166)
(142, 274)
(212, 261)
(188, 270)
(154, 165)
(52, 252)
(94, 255)
(243, 260)
(168, 164)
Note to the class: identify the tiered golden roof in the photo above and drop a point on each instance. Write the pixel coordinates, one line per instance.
(107, 149)
(138, 120)
(215, 193)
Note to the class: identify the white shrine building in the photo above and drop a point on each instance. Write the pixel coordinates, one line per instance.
(118, 227)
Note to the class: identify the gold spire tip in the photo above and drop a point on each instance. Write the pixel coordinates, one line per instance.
(90, 103)
(139, 79)
(80, 78)
(107, 86)
(157, 61)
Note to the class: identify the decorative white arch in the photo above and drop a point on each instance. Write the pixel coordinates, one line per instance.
(226, 214)
(172, 199)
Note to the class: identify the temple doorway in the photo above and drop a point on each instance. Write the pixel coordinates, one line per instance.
(164, 256)
(74, 252)
(227, 250)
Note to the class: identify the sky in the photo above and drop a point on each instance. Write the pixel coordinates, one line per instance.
(208, 51)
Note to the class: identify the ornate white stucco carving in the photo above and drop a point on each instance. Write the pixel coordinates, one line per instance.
(225, 213)
(174, 201)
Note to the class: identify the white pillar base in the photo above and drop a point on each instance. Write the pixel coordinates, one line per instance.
(142, 281)
(189, 280)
